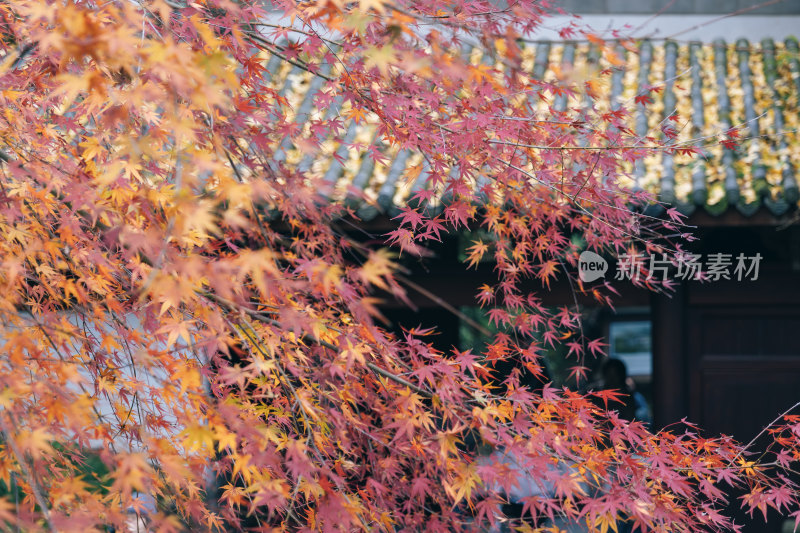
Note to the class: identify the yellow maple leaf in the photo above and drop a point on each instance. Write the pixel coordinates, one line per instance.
(357, 21)
(198, 436)
(225, 438)
(463, 485)
(377, 267)
(380, 58)
(36, 442)
(131, 474)
(188, 377)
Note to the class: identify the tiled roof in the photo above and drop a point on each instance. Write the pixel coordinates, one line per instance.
(752, 86)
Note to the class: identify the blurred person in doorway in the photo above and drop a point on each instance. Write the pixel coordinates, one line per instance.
(615, 377)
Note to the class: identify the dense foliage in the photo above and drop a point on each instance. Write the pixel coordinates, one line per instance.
(187, 303)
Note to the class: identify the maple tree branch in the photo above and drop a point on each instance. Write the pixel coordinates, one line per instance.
(584, 148)
(310, 338)
(309, 428)
(580, 207)
(397, 379)
(574, 198)
(294, 29)
(364, 251)
(766, 428)
(253, 337)
(37, 491)
(269, 48)
(443, 303)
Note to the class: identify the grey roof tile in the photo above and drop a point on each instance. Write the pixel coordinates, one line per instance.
(716, 87)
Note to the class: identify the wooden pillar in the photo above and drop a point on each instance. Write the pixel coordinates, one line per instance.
(670, 379)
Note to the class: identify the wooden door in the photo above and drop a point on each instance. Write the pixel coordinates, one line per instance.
(744, 370)
(744, 367)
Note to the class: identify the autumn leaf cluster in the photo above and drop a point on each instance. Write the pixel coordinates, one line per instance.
(184, 297)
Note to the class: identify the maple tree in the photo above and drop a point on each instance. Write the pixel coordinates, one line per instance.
(178, 297)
